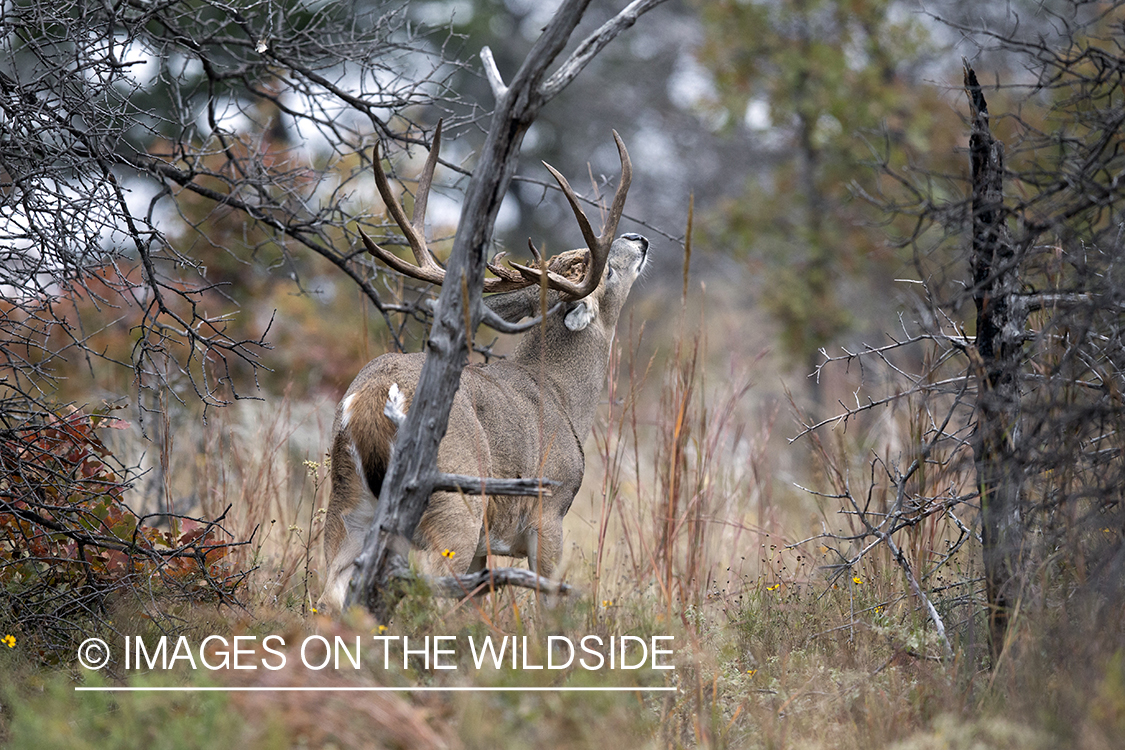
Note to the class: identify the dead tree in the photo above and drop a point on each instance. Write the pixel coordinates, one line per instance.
(1001, 323)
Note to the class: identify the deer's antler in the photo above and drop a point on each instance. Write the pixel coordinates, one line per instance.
(518, 276)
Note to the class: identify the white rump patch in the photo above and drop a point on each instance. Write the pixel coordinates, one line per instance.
(346, 415)
(395, 408)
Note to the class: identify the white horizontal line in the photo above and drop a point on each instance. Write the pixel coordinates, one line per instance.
(360, 689)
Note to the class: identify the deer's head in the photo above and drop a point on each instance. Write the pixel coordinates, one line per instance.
(590, 284)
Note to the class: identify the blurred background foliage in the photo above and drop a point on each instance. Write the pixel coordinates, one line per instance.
(782, 118)
(832, 87)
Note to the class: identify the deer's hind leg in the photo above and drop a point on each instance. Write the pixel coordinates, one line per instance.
(449, 531)
(544, 547)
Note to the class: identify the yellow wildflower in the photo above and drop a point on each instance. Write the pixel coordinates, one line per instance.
(857, 580)
(9, 641)
(448, 553)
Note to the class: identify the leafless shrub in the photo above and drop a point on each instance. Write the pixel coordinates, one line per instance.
(131, 131)
(1019, 412)
(136, 140)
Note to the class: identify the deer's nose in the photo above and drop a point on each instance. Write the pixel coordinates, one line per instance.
(633, 236)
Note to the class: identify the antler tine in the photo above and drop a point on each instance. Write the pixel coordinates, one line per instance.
(428, 268)
(433, 274)
(534, 252)
(579, 215)
(422, 196)
(508, 279)
(609, 231)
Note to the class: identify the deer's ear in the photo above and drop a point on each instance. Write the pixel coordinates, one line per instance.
(580, 317)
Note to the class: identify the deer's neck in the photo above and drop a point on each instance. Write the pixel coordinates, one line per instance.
(574, 364)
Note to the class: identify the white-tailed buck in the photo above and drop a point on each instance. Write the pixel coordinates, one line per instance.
(524, 416)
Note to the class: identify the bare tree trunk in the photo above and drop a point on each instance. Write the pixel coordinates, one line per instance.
(1001, 318)
(410, 477)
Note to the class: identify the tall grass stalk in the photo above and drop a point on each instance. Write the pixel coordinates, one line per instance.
(278, 494)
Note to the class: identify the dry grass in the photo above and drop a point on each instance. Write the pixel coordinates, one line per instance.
(688, 525)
